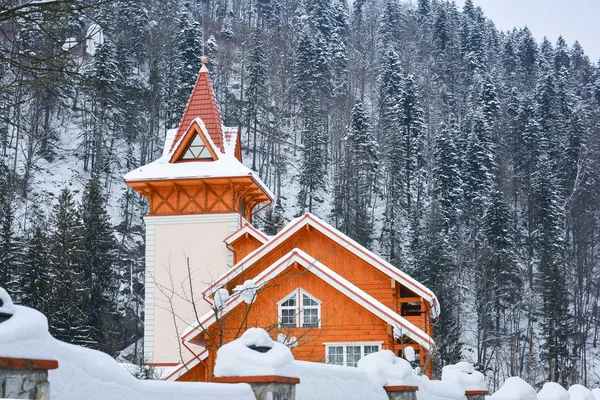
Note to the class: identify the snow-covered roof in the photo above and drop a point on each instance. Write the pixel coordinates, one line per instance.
(332, 278)
(247, 228)
(227, 165)
(344, 241)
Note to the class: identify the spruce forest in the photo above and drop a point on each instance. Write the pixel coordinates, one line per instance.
(467, 156)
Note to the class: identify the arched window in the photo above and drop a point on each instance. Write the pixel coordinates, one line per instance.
(299, 309)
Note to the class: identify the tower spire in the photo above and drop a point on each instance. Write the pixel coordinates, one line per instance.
(202, 104)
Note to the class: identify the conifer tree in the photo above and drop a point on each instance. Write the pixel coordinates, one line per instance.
(355, 184)
(448, 190)
(36, 276)
(67, 318)
(256, 90)
(98, 259)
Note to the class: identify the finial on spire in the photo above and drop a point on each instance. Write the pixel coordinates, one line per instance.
(203, 61)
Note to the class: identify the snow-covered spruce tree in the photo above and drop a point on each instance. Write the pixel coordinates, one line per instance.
(500, 286)
(390, 94)
(447, 179)
(36, 277)
(551, 279)
(312, 72)
(104, 78)
(256, 91)
(98, 262)
(10, 247)
(356, 179)
(436, 268)
(67, 318)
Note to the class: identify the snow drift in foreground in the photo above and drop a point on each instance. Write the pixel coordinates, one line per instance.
(553, 391)
(325, 381)
(88, 374)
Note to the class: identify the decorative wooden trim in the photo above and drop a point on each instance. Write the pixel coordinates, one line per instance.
(257, 379)
(401, 388)
(27, 363)
(163, 364)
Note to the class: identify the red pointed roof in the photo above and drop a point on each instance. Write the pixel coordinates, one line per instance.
(202, 104)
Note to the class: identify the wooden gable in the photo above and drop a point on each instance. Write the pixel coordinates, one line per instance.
(244, 241)
(194, 145)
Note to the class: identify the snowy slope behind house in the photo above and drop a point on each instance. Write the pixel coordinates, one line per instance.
(466, 156)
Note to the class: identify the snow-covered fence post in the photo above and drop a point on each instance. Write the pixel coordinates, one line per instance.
(270, 387)
(476, 394)
(401, 392)
(24, 378)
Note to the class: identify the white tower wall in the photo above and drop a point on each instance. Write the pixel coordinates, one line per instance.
(168, 309)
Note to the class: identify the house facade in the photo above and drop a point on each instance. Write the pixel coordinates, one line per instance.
(310, 286)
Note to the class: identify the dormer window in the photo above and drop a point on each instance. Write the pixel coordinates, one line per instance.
(299, 309)
(197, 150)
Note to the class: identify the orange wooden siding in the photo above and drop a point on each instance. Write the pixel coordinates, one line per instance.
(243, 246)
(342, 320)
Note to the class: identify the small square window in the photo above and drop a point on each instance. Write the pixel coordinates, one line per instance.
(353, 356)
(335, 355)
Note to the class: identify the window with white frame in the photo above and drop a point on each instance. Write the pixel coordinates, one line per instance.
(349, 353)
(299, 309)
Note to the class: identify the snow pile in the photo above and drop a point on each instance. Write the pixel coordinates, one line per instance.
(6, 304)
(465, 374)
(326, 381)
(236, 358)
(579, 392)
(515, 388)
(596, 393)
(409, 353)
(384, 368)
(247, 291)
(553, 391)
(88, 374)
(221, 297)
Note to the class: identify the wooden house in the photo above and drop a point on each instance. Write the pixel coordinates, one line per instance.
(310, 286)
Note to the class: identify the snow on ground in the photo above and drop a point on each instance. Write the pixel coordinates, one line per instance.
(465, 374)
(326, 381)
(580, 392)
(237, 359)
(92, 375)
(553, 391)
(515, 388)
(596, 393)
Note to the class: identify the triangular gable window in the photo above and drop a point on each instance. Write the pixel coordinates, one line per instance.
(197, 150)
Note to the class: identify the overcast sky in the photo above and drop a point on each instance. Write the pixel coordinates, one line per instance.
(573, 19)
